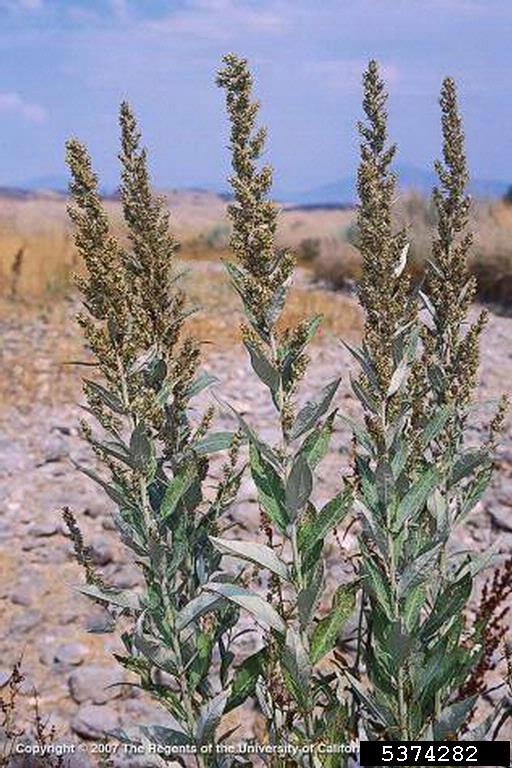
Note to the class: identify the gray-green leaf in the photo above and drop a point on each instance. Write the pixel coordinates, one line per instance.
(298, 487)
(255, 553)
(314, 410)
(327, 630)
(251, 602)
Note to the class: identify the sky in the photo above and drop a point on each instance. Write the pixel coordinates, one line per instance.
(67, 64)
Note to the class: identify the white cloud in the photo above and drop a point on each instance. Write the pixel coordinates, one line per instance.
(13, 103)
(217, 20)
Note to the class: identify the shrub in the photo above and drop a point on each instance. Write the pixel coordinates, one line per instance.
(419, 665)
(416, 475)
(338, 265)
(154, 456)
(308, 250)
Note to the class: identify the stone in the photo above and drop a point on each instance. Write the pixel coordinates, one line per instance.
(92, 721)
(99, 621)
(95, 683)
(501, 518)
(25, 621)
(24, 594)
(100, 551)
(45, 528)
(71, 654)
(54, 449)
(95, 509)
(126, 576)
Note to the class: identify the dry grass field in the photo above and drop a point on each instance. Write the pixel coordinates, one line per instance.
(37, 256)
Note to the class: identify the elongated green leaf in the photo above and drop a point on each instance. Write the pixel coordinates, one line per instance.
(203, 381)
(262, 448)
(275, 305)
(176, 490)
(315, 529)
(210, 718)
(414, 602)
(385, 484)
(314, 410)
(453, 718)
(467, 463)
(364, 360)
(360, 433)
(474, 492)
(416, 497)
(369, 402)
(163, 736)
(368, 484)
(251, 602)
(266, 372)
(203, 603)
(270, 488)
(296, 668)
(309, 597)
(128, 600)
(108, 398)
(156, 653)
(376, 711)
(213, 443)
(435, 426)
(316, 444)
(398, 378)
(419, 570)
(378, 585)
(255, 553)
(298, 487)
(245, 679)
(448, 606)
(142, 449)
(113, 490)
(328, 629)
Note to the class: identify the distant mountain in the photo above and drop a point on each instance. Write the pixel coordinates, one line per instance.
(409, 178)
(51, 183)
(336, 194)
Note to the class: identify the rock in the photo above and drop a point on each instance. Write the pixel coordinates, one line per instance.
(143, 711)
(92, 721)
(100, 551)
(126, 576)
(93, 683)
(501, 518)
(54, 449)
(71, 654)
(25, 621)
(44, 529)
(99, 622)
(24, 594)
(95, 509)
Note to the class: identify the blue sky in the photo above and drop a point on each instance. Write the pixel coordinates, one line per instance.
(66, 64)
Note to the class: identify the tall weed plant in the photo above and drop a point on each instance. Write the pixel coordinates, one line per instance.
(397, 652)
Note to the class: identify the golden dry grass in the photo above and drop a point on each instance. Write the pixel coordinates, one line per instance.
(38, 339)
(37, 256)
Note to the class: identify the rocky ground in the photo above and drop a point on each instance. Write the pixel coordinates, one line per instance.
(43, 620)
